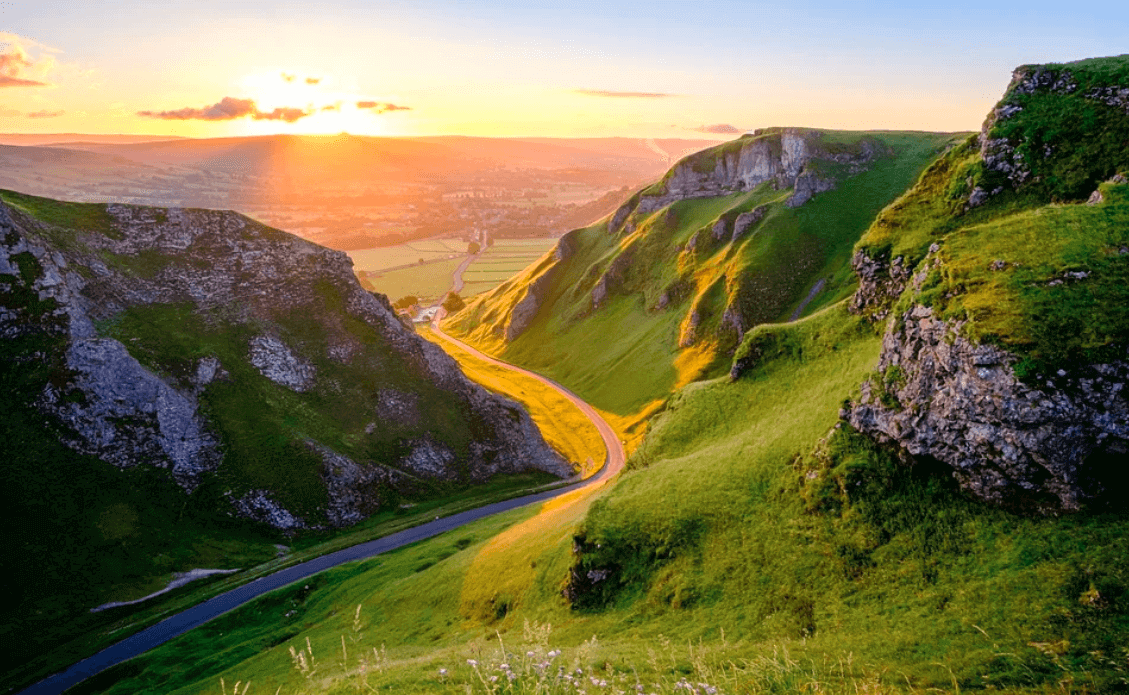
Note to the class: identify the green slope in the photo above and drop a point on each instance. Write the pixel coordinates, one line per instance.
(625, 353)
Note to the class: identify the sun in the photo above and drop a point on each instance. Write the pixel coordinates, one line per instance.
(330, 108)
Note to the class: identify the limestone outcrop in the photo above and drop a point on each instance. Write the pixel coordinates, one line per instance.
(1051, 446)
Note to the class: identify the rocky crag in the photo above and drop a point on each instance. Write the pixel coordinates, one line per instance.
(999, 280)
(206, 344)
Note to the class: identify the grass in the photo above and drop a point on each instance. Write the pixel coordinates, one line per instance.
(773, 556)
(1031, 269)
(429, 282)
(1031, 304)
(379, 259)
(85, 217)
(564, 427)
(766, 274)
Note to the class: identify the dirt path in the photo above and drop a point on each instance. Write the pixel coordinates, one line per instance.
(199, 614)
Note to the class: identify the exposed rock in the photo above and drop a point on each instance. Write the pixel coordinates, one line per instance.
(276, 362)
(526, 309)
(208, 369)
(535, 292)
(258, 505)
(1095, 198)
(612, 279)
(122, 413)
(779, 156)
(429, 458)
(806, 186)
(880, 283)
(941, 396)
(746, 220)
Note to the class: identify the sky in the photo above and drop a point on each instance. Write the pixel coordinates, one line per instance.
(569, 68)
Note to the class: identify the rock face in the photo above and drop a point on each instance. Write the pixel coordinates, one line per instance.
(308, 329)
(793, 158)
(526, 308)
(939, 395)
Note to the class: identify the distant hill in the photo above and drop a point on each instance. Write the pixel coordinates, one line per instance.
(70, 138)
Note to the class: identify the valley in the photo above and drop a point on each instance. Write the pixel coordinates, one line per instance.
(806, 410)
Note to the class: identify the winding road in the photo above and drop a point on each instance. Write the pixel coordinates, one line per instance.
(184, 621)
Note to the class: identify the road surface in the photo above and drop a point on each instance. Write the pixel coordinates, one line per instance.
(184, 621)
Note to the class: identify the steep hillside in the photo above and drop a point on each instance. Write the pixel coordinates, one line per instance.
(755, 230)
(171, 376)
(1003, 274)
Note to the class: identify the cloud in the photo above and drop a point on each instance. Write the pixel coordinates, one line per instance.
(331, 107)
(623, 95)
(288, 77)
(381, 107)
(16, 64)
(229, 109)
(313, 80)
(718, 129)
(45, 114)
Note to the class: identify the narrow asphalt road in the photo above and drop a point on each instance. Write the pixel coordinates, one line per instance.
(457, 276)
(184, 621)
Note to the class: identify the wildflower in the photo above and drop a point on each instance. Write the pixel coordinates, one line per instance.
(554, 654)
(493, 679)
(529, 655)
(442, 672)
(504, 667)
(472, 662)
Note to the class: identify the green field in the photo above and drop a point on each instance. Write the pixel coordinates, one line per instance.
(500, 262)
(407, 254)
(429, 281)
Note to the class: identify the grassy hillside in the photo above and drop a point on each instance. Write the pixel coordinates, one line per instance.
(625, 354)
(772, 557)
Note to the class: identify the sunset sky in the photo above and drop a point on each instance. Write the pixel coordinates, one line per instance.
(499, 68)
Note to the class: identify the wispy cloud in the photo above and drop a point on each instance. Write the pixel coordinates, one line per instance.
(623, 95)
(17, 68)
(229, 109)
(287, 77)
(313, 80)
(381, 106)
(45, 114)
(718, 129)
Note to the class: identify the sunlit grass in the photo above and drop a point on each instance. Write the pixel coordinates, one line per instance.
(562, 424)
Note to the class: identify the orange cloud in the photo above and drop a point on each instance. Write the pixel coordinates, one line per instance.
(229, 109)
(313, 80)
(14, 64)
(381, 107)
(45, 114)
(623, 95)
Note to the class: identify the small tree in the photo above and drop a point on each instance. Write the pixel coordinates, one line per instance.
(473, 248)
(405, 302)
(453, 303)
